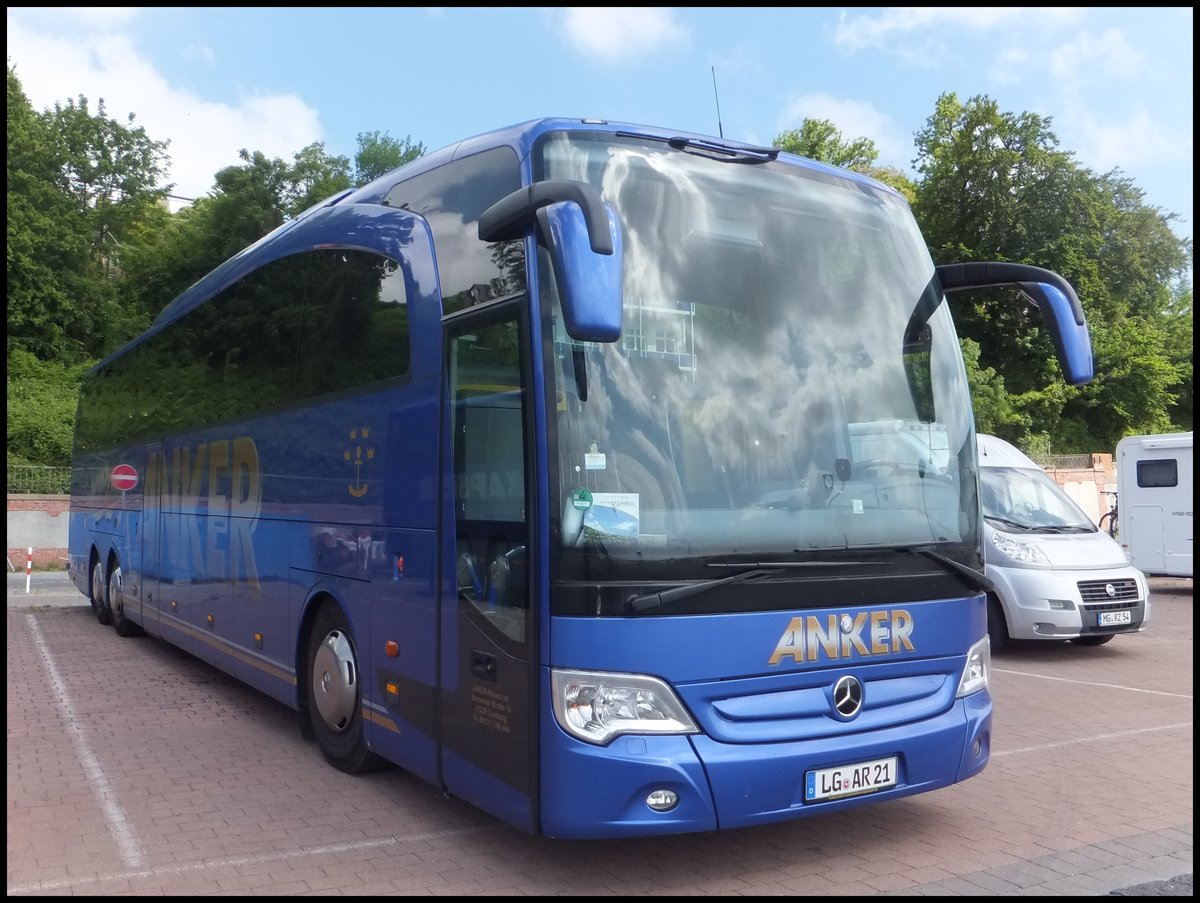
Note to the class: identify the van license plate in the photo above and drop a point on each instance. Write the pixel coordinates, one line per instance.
(849, 780)
(1114, 618)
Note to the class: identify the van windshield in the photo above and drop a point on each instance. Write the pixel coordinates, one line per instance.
(1026, 499)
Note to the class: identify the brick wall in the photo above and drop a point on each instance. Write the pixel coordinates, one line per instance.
(1090, 486)
(39, 521)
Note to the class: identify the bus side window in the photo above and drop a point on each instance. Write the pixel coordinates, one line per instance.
(490, 466)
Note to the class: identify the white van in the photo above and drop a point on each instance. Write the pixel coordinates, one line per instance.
(1154, 502)
(1053, 574)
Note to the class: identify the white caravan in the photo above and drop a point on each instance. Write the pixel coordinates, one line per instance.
(1052, 573)
(1154, 502)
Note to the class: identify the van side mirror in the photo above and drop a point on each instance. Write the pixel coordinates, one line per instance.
(1052, 294)
(583, 236)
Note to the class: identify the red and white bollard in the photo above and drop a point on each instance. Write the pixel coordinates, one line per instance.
(28, 568)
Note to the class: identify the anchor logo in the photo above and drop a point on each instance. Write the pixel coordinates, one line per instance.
(358, 488)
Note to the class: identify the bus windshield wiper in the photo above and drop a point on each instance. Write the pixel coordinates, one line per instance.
(756, 571)
(714, 150)
(969, 575)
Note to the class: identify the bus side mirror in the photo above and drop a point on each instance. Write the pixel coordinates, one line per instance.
(1071, 338)
(589, 284)
(583, 236)
(1052, 294)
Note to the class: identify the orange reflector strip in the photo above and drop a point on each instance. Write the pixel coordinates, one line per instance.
(392, 648)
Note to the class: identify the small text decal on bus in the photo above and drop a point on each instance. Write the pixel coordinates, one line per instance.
(223, 480)
(805, 639)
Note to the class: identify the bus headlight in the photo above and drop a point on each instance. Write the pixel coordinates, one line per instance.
(596, 706)
(978, 671)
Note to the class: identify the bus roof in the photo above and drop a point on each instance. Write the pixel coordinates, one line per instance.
(520, 137)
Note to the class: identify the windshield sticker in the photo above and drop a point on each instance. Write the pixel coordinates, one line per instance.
(614, 514)
(581, 499)
(593, 459)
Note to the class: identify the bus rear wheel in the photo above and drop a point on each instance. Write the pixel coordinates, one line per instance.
(116, 605)
(100, 594)
(335, 693)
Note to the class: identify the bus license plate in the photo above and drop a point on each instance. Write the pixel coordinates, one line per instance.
(849, 780)
(1114, 618)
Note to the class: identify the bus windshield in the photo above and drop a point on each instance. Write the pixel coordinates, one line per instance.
(786, 386)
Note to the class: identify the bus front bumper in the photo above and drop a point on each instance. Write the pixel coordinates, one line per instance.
(597, 792)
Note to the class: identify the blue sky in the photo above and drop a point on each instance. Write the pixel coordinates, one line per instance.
(1116, 83)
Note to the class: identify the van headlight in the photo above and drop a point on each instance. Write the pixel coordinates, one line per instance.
(1023, 552)
(596, 706)
(976, 674)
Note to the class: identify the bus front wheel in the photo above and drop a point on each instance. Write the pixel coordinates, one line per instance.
(335, 693)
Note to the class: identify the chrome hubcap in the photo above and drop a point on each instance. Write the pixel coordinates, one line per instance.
(335, 680)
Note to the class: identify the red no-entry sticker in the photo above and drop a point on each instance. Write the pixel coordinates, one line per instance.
(124, 477)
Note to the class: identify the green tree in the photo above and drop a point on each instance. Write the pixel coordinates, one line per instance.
(995, 186)
(1179, 339)
(80, 191)
(379, 153)
(820, 139)
(313, 176)
(41, 409)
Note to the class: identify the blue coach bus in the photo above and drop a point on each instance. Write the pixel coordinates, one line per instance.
(527, 468)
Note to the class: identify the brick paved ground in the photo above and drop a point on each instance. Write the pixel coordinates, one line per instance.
(134, 769)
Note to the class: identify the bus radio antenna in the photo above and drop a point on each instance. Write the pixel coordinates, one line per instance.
(717, 100)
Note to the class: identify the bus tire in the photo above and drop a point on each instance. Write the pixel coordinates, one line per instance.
(100, 594)
(116, 604)
(334, 689)
(97, 587)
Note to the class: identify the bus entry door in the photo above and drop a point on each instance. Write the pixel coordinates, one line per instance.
(486, 636)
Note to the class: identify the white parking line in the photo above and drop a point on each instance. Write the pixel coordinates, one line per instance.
(1092, 683)
(232, 863)
(1041, 747)
(118, 824)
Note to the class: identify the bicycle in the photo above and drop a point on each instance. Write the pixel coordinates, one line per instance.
(1114, 526)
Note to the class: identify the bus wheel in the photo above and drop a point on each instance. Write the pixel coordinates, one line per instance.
(116, 605)
(96, 596)
(335, 693)
(100, 594)
(1093, 639)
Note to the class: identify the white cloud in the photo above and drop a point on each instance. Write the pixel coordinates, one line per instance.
(615, 33)
(1136, 140)
(204, 136)
(897, 24)
(854, 119)
(1096, 57)
(1010, 65)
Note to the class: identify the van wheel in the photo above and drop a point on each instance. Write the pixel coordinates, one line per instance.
(1093, 639)
(997, 626)
(335, 693)
(100, 594)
